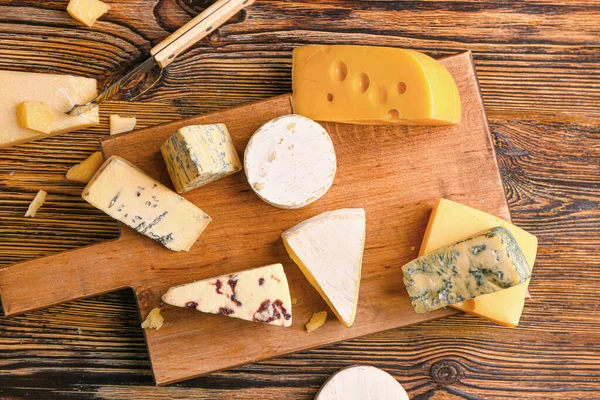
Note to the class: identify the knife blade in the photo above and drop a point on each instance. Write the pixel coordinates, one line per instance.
(166, 51)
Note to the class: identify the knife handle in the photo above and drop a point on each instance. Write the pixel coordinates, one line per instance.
(201, 26)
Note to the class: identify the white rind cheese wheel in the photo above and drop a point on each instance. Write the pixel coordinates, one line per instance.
(290, 162)
(361, 382)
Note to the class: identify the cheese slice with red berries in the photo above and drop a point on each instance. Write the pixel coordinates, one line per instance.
(257, 295)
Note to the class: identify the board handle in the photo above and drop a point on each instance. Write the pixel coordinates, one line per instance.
(62, 277)
(202, 25)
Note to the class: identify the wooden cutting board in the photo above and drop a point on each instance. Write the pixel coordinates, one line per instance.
(395, 173)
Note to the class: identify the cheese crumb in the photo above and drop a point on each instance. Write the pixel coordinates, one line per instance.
(412, 248)
(120, 124)
(87, 11)
(35, 205)
(84, 171)
(316, 321)
(259, 186)
(294, 301)
(154, 320)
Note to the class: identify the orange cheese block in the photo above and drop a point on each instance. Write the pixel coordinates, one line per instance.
(451, 222)
(373, 85)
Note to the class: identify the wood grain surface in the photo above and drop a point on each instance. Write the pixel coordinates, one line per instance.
(539, 67)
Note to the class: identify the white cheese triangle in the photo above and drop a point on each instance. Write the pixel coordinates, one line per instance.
(329, 249)
(258, 295)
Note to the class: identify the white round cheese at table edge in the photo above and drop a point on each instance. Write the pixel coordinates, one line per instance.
(290, 162)
(361, 382)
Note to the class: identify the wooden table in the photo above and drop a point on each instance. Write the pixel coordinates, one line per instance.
(539, 67)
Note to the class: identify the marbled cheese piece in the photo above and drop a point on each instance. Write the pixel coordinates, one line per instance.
(451, 222)
(200, 154)
(290, 162)
(59, 92)
(486, 263)
(258, 295)
(127, 194)
(329, 249)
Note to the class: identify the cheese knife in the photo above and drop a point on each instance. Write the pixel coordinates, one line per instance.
(166, 51)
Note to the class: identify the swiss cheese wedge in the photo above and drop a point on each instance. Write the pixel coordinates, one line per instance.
(451, 222)
(329, 249)
(373, 85)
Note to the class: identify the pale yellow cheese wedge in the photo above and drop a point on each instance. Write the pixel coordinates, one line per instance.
(35, 115)
(120, 124)
(59, 92)
(84, 171)
(451, 222)
(87, 11)
(38, 201)
(316, 321)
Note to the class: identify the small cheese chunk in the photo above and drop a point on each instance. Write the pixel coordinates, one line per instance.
(329, 249)
(316, 321)
(258, 295)
(154, 320)
(35, 115)
(200, 154)
(120, 124)
(87, 11)
(486, 263)
(38, 201)
(84, 171)
(373, 85)
(449, 223)
(127, 194)
(59, 92)
(290, 162)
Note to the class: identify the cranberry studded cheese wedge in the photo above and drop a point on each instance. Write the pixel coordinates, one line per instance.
(258, 295)
(329, 249)
(451, 222)
(373, 85)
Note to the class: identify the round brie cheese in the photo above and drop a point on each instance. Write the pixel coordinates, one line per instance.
(290, 162)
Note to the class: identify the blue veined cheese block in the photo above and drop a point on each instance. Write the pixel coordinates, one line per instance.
(200, 154)
(486, 263)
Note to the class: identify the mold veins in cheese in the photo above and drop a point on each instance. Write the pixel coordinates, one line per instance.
(486, 263)
(127, 194)
(373, 85)
(199, 154)
(257, 295)
(451, 222)
(290, 162)
(329, 249)
(59, 92)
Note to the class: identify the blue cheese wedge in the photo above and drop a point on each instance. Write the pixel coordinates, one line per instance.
(200, 154)
(257, 295)
(329, 249)
(127, 194)
(486, 263)
(290, 162)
